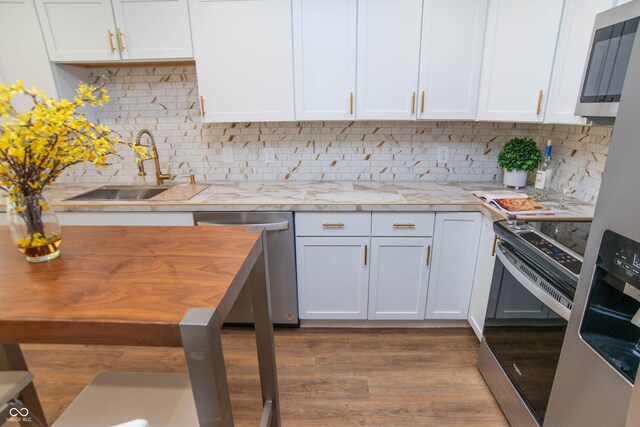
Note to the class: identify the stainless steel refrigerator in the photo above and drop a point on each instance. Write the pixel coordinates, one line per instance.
(595, 378)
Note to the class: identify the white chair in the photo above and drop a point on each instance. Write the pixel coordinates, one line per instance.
(113, 399)
(12, 383)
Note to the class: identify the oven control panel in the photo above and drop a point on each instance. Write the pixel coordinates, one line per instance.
(554, 252)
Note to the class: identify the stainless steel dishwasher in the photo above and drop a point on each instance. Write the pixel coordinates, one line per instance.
(282, 263)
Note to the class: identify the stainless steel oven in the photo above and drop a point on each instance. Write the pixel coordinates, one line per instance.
(528, 312)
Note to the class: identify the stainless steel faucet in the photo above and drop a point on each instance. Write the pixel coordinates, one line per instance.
(160, 177)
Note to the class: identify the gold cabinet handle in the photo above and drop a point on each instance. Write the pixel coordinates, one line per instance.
(422, 103)
(351, 103)
(202, 106)
(365, 255)
(413, 103)
(539, 104)
(110, 37)
(120, 43)
(428, 255)
(495, 242)
(400, 225)
(333, 225)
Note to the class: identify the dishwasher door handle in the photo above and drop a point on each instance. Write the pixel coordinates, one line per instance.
(270, 226)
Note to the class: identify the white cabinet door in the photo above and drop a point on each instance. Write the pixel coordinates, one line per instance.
(153, 29)
(333, 277)
(244, 60)
(482, 277)
(388, 58)
(455, 248)
(573, 46)
(399, 278)
(126, 218)
(78, 30)
(450, 66)
(324, 40)
(520, 43)
(23, 54)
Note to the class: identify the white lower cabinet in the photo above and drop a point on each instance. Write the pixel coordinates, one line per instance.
(408, 265)
(399, 278)
(455, 249)
(483, 274)
(333, 277)
(125, 218)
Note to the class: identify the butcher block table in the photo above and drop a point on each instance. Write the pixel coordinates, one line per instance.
(142, 286)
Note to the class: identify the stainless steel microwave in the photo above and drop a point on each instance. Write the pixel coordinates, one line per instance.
(614, 34)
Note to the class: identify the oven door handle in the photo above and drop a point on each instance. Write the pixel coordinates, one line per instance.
(271, 226)
(532, 287)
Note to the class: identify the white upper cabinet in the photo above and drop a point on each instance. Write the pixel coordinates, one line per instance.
(324, 40)
(153, 29)
(388, 58)
(23, 54)
(93, 30)
(78, 30)
(450, 58)
(243, 52)
(520, 43)
(573, 47)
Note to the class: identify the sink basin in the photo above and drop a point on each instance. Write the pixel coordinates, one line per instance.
(122, 192)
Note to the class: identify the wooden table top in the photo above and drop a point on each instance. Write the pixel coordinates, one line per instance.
(122, 285)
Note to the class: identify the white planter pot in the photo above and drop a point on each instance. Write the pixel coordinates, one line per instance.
(515, 178)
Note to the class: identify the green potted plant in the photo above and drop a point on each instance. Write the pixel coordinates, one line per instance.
(518, 157)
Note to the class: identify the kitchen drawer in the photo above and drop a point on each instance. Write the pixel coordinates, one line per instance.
(408, 224)
(333, 224)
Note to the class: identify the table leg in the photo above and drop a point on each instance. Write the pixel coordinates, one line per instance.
(200, 332)
(11, 359)
(260, 297)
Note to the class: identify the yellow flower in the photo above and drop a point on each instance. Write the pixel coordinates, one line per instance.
(36, 146)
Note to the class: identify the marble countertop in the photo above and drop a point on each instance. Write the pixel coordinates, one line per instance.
(307, 196)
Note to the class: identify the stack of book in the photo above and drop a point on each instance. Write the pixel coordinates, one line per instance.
(513, 203)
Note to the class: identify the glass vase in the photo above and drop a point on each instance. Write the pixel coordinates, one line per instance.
(34, 228)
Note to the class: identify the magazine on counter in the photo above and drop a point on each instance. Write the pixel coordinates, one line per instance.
(513, 203)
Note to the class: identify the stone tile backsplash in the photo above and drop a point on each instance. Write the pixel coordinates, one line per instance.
(165, 100)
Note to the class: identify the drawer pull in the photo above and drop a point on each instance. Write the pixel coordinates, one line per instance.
(110, 37)
(401, 225)
(428, 255)
(539, 107)
(333, 225)
(120, 42)
(351, 103)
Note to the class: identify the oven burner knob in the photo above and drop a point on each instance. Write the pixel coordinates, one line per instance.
(520, 225)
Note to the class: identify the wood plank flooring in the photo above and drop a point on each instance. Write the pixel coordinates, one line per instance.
(328, 377)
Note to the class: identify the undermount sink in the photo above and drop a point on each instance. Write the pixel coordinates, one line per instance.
(122, 192)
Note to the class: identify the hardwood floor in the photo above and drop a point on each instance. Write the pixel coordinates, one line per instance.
(328, 377)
